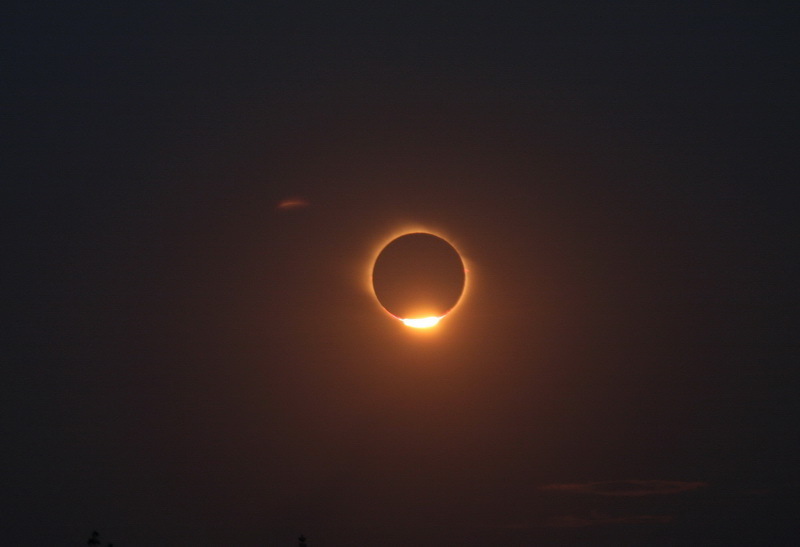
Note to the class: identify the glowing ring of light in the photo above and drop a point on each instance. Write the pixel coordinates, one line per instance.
(416, 322)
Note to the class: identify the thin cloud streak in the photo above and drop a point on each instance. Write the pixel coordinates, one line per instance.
(596, 519)
(629, 488)
(293, 203)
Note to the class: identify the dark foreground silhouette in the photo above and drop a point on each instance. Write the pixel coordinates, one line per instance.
(95, 539)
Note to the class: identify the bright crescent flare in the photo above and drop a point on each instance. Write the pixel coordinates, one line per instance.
(422, 322)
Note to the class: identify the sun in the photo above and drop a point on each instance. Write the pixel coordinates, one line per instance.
(418, 278)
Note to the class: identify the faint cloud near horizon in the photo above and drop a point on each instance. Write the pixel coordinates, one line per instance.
(594, 518)
(599, 519)
(630, 488)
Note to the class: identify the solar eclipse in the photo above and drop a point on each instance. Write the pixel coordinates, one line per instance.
(418, 278)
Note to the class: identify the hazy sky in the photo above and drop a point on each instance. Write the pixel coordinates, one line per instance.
(192, 200)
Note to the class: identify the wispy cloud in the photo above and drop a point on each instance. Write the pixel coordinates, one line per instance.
(630, 488)
(292, 203)
(597, 519)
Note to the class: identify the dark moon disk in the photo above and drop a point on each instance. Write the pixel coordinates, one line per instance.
(418, 275)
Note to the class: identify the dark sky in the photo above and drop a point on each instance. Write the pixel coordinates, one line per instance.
(185, 363)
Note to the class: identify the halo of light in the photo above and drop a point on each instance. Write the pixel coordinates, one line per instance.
(420, 323)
